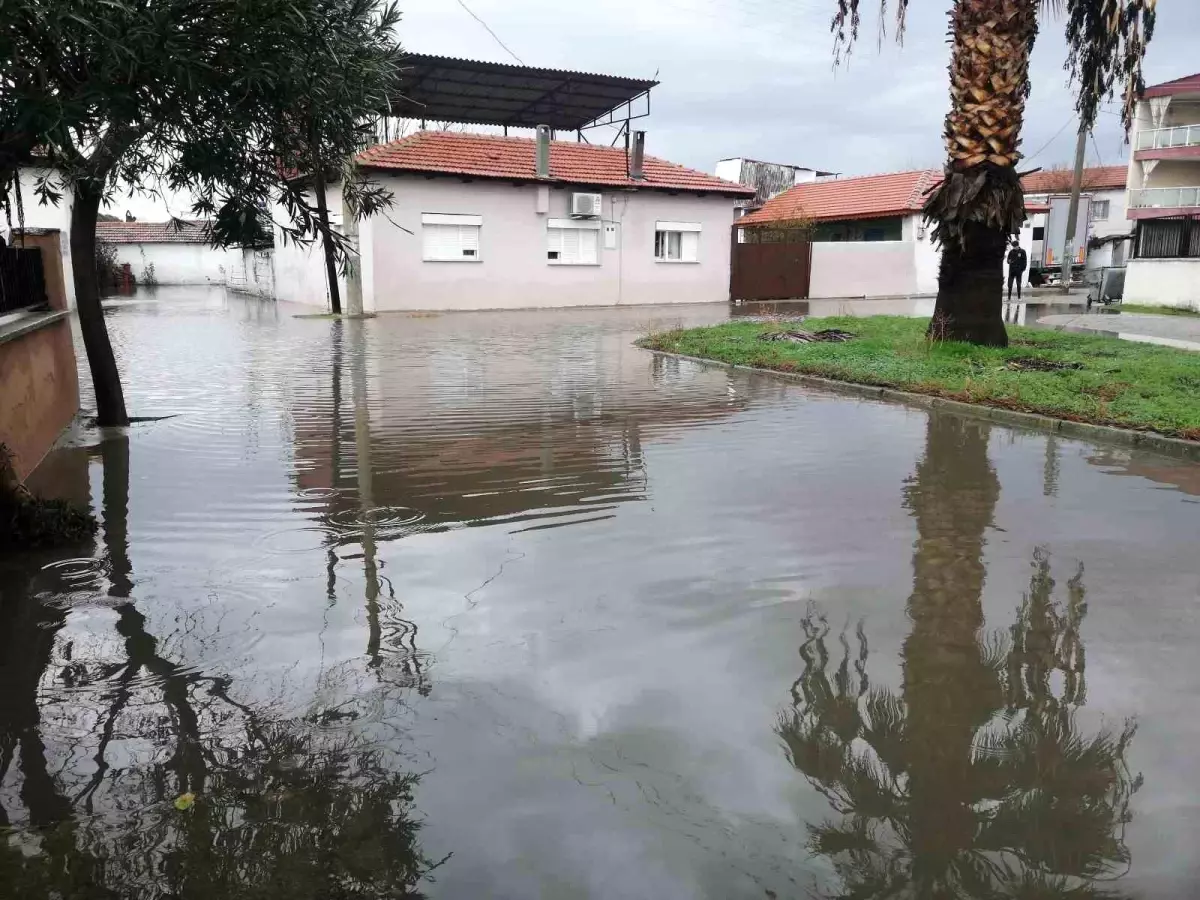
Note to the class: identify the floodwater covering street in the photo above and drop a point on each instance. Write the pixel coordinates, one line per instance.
(499, 605)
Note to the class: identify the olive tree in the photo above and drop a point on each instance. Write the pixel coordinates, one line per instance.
(232, 101)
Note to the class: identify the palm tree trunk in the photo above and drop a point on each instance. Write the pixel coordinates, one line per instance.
(106, 378)
(980, 202)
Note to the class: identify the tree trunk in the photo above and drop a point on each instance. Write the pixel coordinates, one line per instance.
(106, 378)
(970, 300)
(335, 297)
(979, 202)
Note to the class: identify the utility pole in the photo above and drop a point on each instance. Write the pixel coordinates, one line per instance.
(1068, 253)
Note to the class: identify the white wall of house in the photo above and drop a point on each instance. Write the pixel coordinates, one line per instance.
(252, 272)
(45, 215)
(512, 269)
(1163, 282)
(862, 269)
(178, 263)
(1116, 224)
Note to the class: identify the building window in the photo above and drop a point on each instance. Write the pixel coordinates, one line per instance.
(450, 238)
(1039, 232)
(1098, 211)
(573, 242)
(677, 242)
(1171, 238)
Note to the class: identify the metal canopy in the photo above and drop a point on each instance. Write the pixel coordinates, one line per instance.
(444, 89)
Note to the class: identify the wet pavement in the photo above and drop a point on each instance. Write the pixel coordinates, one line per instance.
(497, 605)
(1182, 332)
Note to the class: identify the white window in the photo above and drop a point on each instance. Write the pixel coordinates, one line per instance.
(1099, 210)
(573, 242)
(450, 238)
(677, 242)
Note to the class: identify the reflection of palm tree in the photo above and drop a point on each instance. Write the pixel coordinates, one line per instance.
(975, 781)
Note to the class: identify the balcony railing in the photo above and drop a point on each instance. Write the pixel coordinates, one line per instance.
(1168, 198)
(1166, 138)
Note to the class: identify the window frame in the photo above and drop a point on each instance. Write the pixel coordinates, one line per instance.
(452, 220)
(1096, 204)
(688, 240)
(592, 226)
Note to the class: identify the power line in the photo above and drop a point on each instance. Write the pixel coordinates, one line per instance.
(1051, 141)
(495, 36)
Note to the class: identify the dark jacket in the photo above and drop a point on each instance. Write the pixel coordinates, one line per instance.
(1018, 259)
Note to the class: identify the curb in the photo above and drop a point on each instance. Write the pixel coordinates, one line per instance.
(1104, 434)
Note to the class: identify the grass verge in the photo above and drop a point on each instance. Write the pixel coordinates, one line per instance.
(1106, 381)
(1152, 310)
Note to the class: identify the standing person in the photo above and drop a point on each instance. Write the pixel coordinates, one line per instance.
(1018, 259)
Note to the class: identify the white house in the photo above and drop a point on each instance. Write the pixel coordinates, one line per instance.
(1164, 196)
(38, 215)
(488, 222)
(869, 236)
(160, 253)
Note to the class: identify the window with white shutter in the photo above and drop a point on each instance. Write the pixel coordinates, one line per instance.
(677, 242)
(450, 238)
(571, 242)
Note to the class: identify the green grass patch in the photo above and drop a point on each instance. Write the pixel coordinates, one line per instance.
(1153, 310)
(1103, 380)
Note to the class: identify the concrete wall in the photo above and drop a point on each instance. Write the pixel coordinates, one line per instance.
(39, 215)
(1164, 282)
(252, 272)
(39, 383)
(178, 263)
(863, 269)
(513, 270)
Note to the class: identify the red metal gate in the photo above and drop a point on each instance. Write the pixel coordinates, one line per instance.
(770, 265)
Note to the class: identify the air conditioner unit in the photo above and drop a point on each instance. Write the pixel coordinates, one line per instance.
(586, 206)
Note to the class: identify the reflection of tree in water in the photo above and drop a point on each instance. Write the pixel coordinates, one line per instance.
(283, 808)
(974, 781)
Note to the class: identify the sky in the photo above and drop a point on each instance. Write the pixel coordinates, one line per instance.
(756, 78)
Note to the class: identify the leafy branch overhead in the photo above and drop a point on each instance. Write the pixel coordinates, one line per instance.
(217, 98)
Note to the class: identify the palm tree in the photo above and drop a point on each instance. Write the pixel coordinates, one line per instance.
(979, 203)
(975, 781)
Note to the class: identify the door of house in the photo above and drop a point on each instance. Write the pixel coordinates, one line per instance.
(767, 264)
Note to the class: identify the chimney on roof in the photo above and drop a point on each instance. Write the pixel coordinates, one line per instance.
(543, 151)
(637, 156)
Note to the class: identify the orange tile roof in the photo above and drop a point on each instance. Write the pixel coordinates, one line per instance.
(1097, 178)
(192, 232)
(491, 156)
(867, 197)
(897, 194)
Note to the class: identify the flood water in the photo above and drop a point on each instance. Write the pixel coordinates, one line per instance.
(498, 605)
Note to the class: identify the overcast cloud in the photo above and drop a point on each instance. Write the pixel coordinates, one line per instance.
(756, 78)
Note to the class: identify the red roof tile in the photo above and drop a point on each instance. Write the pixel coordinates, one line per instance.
(868, 197)
(901, 193)
(1189, 84)
(192, 232)
(1057, 181)
(490, 156)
